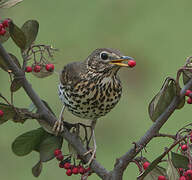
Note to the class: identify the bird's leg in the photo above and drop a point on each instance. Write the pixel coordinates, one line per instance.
(58, 126)
(92, 151)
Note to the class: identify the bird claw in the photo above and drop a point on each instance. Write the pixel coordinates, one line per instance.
(58, 127)
(93, 152)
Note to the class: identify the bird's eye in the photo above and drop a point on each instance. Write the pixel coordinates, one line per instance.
(104, 56)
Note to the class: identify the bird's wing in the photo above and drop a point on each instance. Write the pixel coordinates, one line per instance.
(72, 73)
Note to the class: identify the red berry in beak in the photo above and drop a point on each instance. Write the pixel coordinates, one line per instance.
(131, 63)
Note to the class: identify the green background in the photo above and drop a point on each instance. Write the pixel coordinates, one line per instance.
(158, 34)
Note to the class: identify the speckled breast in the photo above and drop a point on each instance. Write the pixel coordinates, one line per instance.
(91, 100)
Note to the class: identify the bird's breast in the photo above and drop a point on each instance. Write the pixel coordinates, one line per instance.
(90, 99)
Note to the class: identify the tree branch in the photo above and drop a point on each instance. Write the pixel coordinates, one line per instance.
(123, 161)
(48, 117)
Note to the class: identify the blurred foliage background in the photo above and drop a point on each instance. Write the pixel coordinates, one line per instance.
(156, 33)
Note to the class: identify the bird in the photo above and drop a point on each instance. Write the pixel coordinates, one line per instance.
(91, 88)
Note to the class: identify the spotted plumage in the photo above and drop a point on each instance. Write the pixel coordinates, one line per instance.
(91, 100)
(91, 88)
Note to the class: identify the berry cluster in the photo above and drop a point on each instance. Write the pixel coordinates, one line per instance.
(189, 94)
(1, 113)
(70, 168)
(131, 63)
(4, 25)
(185, 175)
(37, 68)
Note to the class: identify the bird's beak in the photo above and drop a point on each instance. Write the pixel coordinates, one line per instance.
(122, 61)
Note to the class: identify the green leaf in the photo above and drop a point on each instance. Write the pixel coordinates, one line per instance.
(163, 99)
(9, 112)
(16, 85)
(172, 171)
(179, 161)
(36, 170)
(4, 66)
(30, 29)
(15, 60)
(28, 141)
(47, 147)
(9, 3)
(17, 35)
(154, 165)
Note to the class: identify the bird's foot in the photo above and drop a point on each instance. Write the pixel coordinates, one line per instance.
(58, 127)
(93, 155)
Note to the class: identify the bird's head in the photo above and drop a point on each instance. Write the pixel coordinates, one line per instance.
(106, 60)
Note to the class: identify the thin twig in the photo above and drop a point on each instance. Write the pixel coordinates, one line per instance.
(166, 135)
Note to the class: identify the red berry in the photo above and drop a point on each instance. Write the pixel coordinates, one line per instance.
(1, 113)
(181, 171)
(67, 165)
(37, 68)
(182, 178)
(75, 170)
(131, 63)
(188, 174)
(184, 147)
(87, 169)
(5, 23)
(81, 170)
(188, 92)
(2, 32)
(49, 67)
(161, 178)
(61, 165)
(60, 157)
(146, 165)
(189, 101)
(57, 152)
(69, 172)
(28, 69)
(1, 26)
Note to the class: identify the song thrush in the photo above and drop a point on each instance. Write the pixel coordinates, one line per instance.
(91, 88)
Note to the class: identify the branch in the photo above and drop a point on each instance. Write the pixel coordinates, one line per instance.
(48, 117)
(123, 161)
(166, 135)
